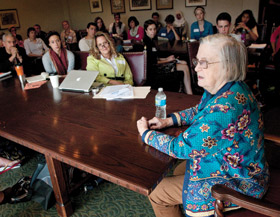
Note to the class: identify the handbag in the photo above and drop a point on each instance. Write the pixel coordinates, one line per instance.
(41, 185)
(167, 77)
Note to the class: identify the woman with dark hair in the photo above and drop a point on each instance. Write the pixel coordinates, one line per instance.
(150, 40)
(34, 47)
(247, 21)
(100, 25)
(57, 59)
(169, 31)
(135, 31)
(117, 28)
(201, 27)
(112, 66)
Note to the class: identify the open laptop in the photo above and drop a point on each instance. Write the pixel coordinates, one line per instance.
(78, 81)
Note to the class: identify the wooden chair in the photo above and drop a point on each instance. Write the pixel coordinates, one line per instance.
(81, 59)
(72, 46)
(269, 205)
(192, 51)
(138, 65)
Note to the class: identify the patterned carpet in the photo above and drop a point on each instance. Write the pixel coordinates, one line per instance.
(105, 200)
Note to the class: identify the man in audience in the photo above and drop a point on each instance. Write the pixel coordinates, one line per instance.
(155, 17)
(85, 44)
(68, 36)
(117, 28)
(39, 33)
(10, 54)
(223, 23)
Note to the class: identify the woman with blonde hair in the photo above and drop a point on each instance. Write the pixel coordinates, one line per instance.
(112, 66)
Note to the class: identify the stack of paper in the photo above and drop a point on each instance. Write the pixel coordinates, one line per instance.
(138, 93)
(117, 92)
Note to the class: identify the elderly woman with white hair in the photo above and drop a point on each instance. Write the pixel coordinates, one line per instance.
(224, 143)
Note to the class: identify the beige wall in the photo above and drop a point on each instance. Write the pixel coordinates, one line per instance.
(50, 13)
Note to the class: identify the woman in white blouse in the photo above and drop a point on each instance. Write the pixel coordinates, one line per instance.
(34, 47)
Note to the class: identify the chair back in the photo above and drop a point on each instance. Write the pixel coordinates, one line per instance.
(269, 205)
(138, 65)
(262, 33)
(72, 46)
(192, 51)
(81, 59)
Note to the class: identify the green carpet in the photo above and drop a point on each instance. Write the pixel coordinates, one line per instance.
(108, 199)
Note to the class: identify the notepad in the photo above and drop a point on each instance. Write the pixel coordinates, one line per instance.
(257, 46)
(37, 78)
(3, 74)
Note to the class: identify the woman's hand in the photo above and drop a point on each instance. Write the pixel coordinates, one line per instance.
(170, 58)
(242, 25)
(142, 125)
(158, 123)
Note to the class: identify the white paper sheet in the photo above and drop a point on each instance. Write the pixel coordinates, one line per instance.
(257, 46)
(138, 93)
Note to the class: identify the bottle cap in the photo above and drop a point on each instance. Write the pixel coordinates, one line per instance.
(160, 89)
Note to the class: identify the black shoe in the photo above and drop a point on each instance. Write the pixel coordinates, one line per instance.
(21, 191)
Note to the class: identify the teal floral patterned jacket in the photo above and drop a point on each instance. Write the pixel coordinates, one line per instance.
(224, 145)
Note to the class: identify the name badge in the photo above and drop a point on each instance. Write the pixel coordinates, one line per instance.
(137, 36)
(121, 62)
(154, 49)
(196, 30)
(163, 34)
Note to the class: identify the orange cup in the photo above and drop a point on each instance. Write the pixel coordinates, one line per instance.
(19, 70)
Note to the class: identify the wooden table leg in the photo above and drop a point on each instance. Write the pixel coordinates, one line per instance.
(63, 203)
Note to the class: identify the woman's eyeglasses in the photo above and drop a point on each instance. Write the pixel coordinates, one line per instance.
(203, 63)
(104, 44)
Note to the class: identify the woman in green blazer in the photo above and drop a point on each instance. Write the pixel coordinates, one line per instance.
(112, 66)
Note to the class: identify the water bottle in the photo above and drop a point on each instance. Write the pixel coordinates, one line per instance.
(160, 104)
(243, 36)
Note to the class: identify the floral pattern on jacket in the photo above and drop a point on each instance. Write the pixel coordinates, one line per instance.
(223, 145)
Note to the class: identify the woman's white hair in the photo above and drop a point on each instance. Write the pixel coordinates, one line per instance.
(233, 55)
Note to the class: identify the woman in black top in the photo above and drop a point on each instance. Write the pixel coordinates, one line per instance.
(150, 40)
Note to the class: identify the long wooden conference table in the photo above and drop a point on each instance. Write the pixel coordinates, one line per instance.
(94, 135)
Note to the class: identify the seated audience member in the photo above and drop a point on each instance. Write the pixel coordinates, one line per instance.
(169, 31)
(275, 36)
(39, 33)
(181, 24)
(68, 36)
(100, 25)
(85, 44)
(112, 66)
(201, 27)
(247, 21)
(57, 59)
(223, 23)
(135, 31)
(34, 47)
(149, 40)
(224, 142)
(18, 37)
(11, 54)
(155, 17)
(117, 28)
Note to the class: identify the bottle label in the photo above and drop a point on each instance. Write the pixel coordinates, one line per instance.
(160, 102)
